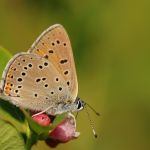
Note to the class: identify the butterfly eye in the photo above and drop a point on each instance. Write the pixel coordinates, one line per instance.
(80, 104)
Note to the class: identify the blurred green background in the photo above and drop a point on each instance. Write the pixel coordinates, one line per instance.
(111, 45)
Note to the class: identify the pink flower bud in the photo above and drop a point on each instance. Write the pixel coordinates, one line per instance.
(42, 119)
(64, 132)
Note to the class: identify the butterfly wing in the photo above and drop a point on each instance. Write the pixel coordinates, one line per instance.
(54, 45)
(33, 82)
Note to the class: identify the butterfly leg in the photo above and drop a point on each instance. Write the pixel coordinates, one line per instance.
(42, 111)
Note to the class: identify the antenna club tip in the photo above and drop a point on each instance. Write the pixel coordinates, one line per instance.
(95, 135)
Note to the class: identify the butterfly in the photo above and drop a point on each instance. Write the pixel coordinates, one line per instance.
(43, 78)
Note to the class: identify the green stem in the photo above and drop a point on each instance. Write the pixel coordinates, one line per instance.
(32, 139)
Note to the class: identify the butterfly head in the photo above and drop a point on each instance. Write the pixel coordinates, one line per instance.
(80, 104)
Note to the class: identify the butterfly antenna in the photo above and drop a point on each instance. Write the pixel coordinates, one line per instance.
(91, 123)
(97, 113)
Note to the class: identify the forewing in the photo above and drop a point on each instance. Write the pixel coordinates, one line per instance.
(54, 45)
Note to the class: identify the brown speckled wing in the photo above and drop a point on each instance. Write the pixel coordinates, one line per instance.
(33, 82)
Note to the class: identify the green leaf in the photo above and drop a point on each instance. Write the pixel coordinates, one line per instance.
(4, 58)
(10, 138)
(58, 120)
(13, 115)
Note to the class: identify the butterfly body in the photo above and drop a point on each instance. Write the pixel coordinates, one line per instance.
(44, 78)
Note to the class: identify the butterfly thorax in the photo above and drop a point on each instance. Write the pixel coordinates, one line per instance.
(67, 107)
